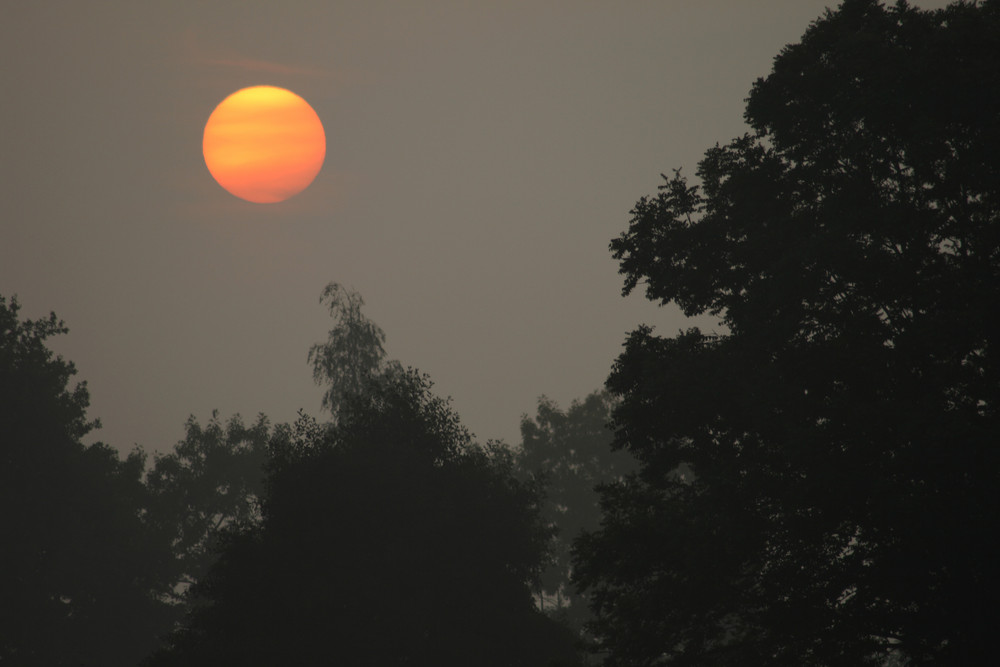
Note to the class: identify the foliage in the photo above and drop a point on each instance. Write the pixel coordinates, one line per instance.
(570, 451)
(213, 479)
(389, 538)
(353, 352)
(78, 565)
(841, 439)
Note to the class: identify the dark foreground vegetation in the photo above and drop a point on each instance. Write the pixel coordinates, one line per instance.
(814, 484)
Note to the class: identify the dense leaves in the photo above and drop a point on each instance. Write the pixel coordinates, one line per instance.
(353, 353)
(569, 451)
(817, 486)
(80, 581)
(387, 539)
(211, 480)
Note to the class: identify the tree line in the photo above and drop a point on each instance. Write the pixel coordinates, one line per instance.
(816, 485)
(383, 534)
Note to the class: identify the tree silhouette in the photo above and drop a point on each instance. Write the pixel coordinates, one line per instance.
(570, 452)
(387, 539)
(81, 573)
(214, 478)
(353, 353)
(818, 485)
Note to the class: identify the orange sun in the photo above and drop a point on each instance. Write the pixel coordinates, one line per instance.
(264, 144)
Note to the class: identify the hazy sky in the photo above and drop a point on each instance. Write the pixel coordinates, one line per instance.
(480, 157)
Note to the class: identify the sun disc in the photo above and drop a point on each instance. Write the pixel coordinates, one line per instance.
(264, 144)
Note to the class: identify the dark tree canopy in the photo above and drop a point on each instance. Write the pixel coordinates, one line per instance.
(840, 440)
(80, 577)
(387, 539)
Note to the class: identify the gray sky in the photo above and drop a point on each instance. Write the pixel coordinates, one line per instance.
(480, 157)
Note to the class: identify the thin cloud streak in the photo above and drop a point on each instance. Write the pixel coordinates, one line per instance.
(194, 51)
(251, 65)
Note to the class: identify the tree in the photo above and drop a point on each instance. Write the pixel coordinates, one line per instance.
(214, 477)
(387, 539)
(79, 567)
(212, 480)
(353, 352)
(841, 438)
(570, 452)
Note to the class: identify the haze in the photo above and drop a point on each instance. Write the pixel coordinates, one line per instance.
(479, 160)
